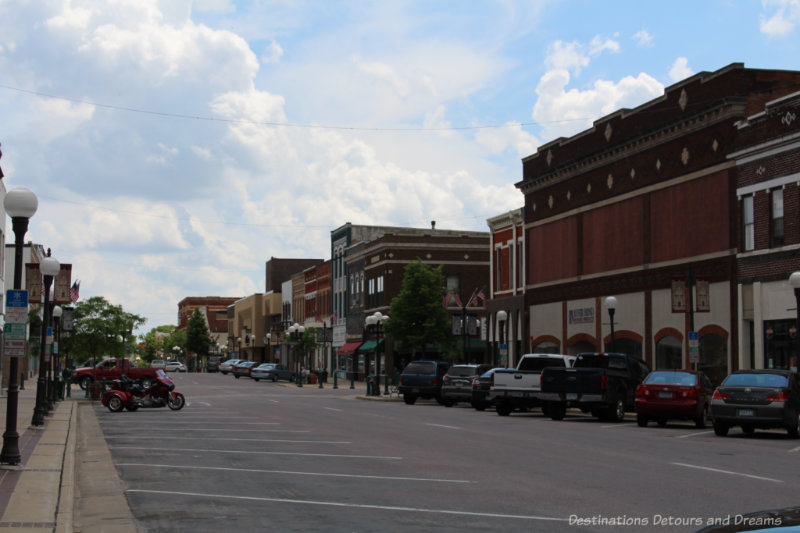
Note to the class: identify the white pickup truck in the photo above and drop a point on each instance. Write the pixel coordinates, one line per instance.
(519, 388)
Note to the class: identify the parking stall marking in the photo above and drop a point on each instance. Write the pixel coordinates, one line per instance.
(355, 505)
(294, 473)
(694, 434)
(441, 426)
(729, 472)
(338, 456)
(227, 439)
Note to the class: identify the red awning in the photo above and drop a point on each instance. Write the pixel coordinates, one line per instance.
(349, 348)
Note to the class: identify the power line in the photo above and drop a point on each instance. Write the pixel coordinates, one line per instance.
(283, 124)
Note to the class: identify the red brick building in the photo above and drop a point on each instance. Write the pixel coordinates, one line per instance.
(768, 195)
(642, 206)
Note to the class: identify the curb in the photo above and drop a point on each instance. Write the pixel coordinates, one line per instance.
(65, 514)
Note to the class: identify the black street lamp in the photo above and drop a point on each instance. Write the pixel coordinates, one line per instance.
(20, 204)
(502, 316)
(375, 325)
(295, 334)
(267, 348)
(610, 303)
(49, 267)
(53, 367)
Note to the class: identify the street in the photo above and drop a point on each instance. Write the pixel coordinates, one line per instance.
(250, 456)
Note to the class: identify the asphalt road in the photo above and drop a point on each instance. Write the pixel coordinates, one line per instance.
(247, 456)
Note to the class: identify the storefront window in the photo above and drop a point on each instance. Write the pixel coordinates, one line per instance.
(669, 353)
(714, 357)
(546, 347)
(780, 344)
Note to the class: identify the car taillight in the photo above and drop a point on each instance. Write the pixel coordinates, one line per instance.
(720, 395)
(476, 382)
(780, 397)
(401, 380)
(604, 382)
(690, 393)
(446, 379)
(642, 391)
(435, 381)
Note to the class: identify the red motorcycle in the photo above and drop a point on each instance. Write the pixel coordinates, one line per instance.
(127, 394)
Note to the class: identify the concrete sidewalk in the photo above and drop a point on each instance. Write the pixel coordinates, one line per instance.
(66, 481)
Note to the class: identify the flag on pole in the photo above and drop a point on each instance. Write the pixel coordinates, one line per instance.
(74, 291)
(446, 301)
(482, 296)
(458, 300)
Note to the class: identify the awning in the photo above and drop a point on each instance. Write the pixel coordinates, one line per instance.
(369, 346)
(349, 348)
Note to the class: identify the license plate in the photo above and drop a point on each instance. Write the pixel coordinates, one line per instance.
(459, 385)
(414, 390)
(746, 412)
(572, 396)
(665, 395)
(517, 393)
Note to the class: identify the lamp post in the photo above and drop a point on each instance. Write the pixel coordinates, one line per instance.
(502, 316)
(239, 348)
(57, 312)
(794, 281)
(20, 204)
(374, 325)
(295, 334)
(268, 348)
(49, 267)
(610, 303)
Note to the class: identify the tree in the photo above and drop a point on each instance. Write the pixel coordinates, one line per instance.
(417, 316)
(101, 328)
(153, 342)
(198, 338)
(305, 345)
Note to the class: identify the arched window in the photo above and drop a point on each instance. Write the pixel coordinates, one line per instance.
(714, 357)
(581, 347)
(546, 347)
(626, 346)
(669, 353)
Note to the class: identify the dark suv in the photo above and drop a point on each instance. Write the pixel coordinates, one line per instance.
(212, 365)
(457, 383)
(422, 379)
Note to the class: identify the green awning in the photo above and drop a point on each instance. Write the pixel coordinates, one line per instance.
(369, 346)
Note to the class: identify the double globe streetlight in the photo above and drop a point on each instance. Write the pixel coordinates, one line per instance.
(375, 324)
(296, 332)
(49, 268)
(20, 204)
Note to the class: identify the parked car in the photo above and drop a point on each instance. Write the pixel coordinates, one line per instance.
(158, 363)
(243, 368)
(519, 388)
(227, 366)
(272, 372)
(674, 394)
(481, 389)
(757, 399)
(457, 383)
(422, 379)
(175, 366)
(213, 362)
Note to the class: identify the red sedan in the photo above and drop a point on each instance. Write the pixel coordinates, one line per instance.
(674, 394)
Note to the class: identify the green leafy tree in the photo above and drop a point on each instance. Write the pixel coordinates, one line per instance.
(198, 338)
(305, 346)
(152, 342)
(176, 338)
(101, 329)
(418, 319)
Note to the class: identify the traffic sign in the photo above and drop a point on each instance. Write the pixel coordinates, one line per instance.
(694, 347)
(16, 298)
(14, 331)
(14, 347)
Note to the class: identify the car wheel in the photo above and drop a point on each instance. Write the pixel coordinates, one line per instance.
(84, 382)
(409, 399)
(274, 378)
(557, 410)
(642, 421)
(236, 376)
(700, 421)
(479, 406)
(503, 409)
(748, 429)
(794, 429)
(720, 430)
(256, 379)
(616, 412)
(115, 404)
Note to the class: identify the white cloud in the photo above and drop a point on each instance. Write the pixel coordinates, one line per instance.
(783, 21)
(575, 56)
(680, 69)
(512, 136)
(643, 38)
(273, 53)
(385, 73)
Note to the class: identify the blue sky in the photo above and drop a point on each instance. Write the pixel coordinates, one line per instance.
(176, 146)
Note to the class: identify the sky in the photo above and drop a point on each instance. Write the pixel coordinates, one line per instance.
(176, 146)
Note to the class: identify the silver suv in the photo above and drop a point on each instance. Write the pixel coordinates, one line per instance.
(457, 383)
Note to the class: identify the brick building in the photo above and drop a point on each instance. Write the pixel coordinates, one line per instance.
(642, 206)
(768, 195)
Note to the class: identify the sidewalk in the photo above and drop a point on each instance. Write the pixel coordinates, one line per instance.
(50, 490)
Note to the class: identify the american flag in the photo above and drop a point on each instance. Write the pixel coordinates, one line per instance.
(74, 291)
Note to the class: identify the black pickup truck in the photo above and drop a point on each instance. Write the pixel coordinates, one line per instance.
(603, 384)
